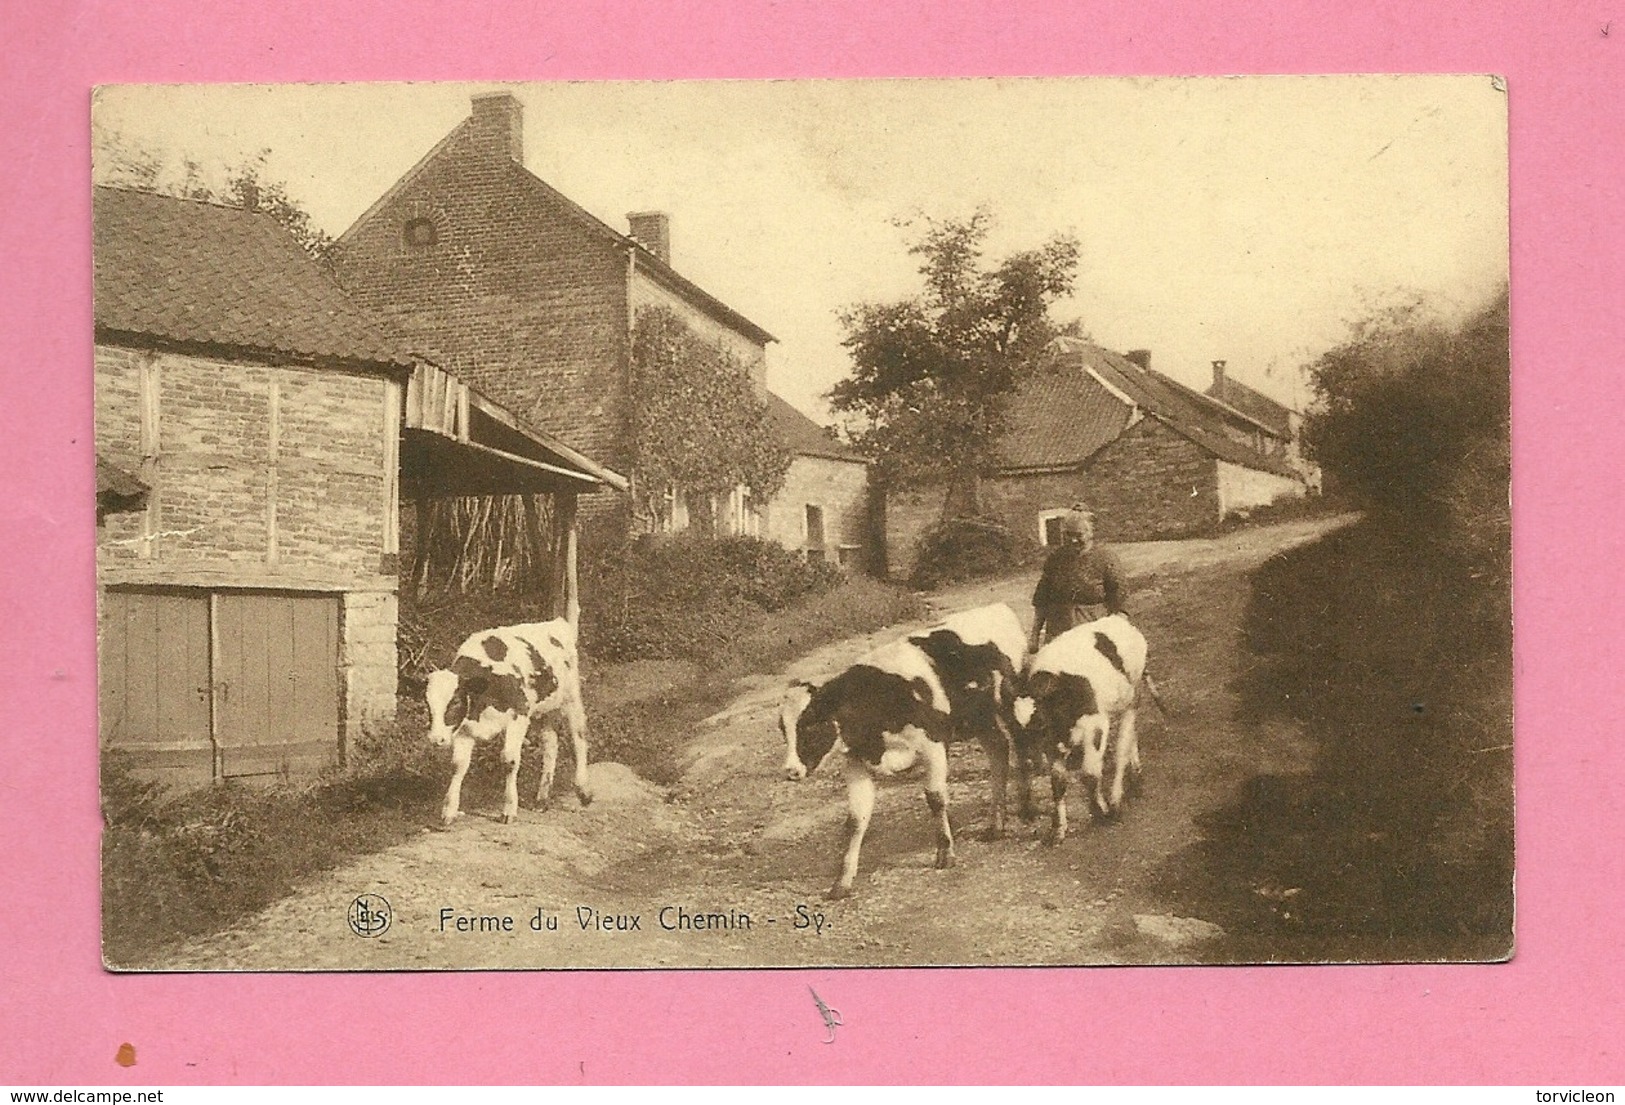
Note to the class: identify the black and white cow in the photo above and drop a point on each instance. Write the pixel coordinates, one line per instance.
(501, 681)
(903, 704)
(1077, 686)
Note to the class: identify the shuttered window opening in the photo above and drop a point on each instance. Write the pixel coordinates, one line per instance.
(199, 686)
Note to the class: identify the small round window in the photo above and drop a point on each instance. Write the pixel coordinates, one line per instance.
(421, 232)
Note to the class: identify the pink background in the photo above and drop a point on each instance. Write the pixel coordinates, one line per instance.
(1554, 1015)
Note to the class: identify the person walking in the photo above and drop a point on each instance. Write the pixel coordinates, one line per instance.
(1081, 580)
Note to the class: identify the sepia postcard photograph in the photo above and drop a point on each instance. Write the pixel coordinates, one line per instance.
(852, 523)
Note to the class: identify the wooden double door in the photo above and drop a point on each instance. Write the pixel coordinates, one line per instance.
(199, 686)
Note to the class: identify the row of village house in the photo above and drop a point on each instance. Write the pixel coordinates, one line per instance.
(262, 419)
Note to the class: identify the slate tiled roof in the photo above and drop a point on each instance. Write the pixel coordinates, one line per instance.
(1187, 411)
(1062, 418)
(201, 273)
(803, 436)
(1253, 404)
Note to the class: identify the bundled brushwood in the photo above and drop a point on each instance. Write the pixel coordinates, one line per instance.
(492, 543)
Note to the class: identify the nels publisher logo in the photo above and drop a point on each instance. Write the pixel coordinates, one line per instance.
(370, 915)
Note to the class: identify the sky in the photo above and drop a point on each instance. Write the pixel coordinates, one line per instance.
(1249, 219)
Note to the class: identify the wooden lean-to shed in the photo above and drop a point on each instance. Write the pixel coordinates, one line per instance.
(254, 427)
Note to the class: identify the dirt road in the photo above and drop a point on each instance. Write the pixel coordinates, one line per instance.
(726, 867)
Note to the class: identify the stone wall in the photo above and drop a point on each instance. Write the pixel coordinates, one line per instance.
(841, 488)
(367, 660)
(1018, 501)
(263, 476)
(1242, 489)
(264, 469)
(1152, 484)
(906, 516)
(1149, 484)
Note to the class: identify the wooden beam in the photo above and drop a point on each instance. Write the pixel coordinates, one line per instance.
(274, 405)
(540, 466)
(217, 768)
(392, 467)
(247, 573)
(505, 418)
(150, 384)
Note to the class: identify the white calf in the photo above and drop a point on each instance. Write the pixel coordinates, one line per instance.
(502, 680)
(1077, 686)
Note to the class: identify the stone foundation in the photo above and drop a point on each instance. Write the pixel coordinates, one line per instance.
(367, 657)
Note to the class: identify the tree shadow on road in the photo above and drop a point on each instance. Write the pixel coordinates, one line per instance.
(1397, 844)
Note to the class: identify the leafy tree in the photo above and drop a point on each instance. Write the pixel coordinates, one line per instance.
(1414, 421)
(932, 374)
(698, 422)
(246, 185)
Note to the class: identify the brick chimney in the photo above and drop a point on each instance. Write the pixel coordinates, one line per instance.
(1218, 380)
(1141, 357)
(499, 124)
(652, 229)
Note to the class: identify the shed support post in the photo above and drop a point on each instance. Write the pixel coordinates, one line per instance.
(567, 524)
(420, 538)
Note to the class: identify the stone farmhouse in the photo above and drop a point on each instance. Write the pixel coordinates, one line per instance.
(530, 297)
(256, 432)
(1151, 457)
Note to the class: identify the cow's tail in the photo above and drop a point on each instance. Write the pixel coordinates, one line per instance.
(1156, 694)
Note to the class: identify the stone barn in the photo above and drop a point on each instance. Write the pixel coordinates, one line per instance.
(248, 609)
(1151, 457)
(252, 427)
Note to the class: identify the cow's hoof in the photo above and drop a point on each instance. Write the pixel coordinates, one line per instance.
(992, 833)
(584, 795)
(1054, 837)
(837, 892)
(945, 860)
(509, 818)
